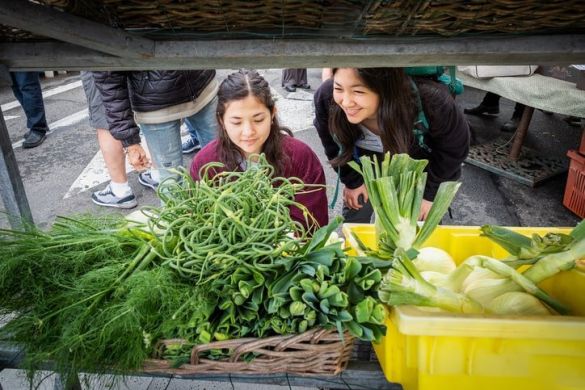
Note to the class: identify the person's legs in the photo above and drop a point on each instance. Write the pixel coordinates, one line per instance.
(288, 80)
(512, 124)
(205, 123)
(117, 193)
(491, 100)
(27, 90)
(114, 156)
(164, 143)
(191, 144)
(490, 105)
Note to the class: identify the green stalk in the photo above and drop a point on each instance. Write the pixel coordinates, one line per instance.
(404, 285)
(554, 263)
(516, 277)
(443, 199)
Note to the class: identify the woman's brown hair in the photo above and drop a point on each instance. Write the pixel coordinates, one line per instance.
(238, 86)
(395, 116)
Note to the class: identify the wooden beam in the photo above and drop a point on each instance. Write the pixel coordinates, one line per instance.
(409, 51)
(49, 22)
(358, 375)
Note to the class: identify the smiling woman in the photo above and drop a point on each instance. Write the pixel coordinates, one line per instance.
(370, 111)
(248, 126)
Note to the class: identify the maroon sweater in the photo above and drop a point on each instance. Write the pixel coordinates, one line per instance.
(301, 162)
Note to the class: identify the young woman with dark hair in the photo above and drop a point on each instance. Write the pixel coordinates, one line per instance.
(367, 111)
(248, 125)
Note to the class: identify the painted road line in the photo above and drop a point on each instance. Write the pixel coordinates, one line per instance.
(67, 121)
(8, 117)
(96, 173)
(46, 94)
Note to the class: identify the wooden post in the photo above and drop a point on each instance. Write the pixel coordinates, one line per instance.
(521, 132)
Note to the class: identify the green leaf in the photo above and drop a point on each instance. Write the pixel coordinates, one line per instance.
(307, 269)
(307, 285)
(339, 300)
(354, 328)
(324, 306)
(321, 235)
(364, 309)
(310, 299)
(297, 308)
(352, 268)
(303, 325)
(344, 316)
(296, 293)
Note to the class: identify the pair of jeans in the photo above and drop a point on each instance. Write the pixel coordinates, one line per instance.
(203, 125)
(27, 90)
(164, 139)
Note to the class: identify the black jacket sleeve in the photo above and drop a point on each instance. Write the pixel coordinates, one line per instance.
(448, 136)
(113, 87)
(323, 100)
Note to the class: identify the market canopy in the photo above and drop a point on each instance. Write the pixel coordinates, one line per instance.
(180, 34)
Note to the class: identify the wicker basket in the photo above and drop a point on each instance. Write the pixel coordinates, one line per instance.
(314, 352)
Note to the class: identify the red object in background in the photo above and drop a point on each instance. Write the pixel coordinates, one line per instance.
(582, 146)
(574, 198)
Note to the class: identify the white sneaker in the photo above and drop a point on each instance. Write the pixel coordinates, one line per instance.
(145, 178)
(107, 198)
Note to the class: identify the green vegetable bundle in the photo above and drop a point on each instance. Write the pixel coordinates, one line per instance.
(482, 284)
(221, 259)
(395, 189)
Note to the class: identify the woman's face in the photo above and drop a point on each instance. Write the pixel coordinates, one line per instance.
(247, 123)
(357, 101)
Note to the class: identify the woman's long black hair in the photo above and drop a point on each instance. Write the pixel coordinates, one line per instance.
(238, 86)
(396, 113)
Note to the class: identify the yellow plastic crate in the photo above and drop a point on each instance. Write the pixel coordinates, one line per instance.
(433, 351)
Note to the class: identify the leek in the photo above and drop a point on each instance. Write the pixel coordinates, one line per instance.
(404, 285)
(517, 303)
(395, 189)
(434, 259)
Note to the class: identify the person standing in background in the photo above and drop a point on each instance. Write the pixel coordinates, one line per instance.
(117, 193)
(27, 90)
(490, 105)
(157, 101)
(294, 78)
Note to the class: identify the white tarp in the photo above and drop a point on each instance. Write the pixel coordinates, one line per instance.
(545, 93)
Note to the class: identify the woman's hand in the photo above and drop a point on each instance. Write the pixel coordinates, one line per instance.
(425, 207)
(351, 196)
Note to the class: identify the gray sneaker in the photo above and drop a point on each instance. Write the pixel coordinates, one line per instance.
(107, 198)
(145, 178)
(190, 145)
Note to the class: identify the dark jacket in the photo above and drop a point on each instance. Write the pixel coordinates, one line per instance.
(448, 136)
(145, 91)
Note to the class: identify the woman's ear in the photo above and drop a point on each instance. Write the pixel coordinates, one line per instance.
(273, 115)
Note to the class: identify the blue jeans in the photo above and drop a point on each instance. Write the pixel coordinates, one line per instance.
(164, 139)
(202, 126)
(27, 89)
